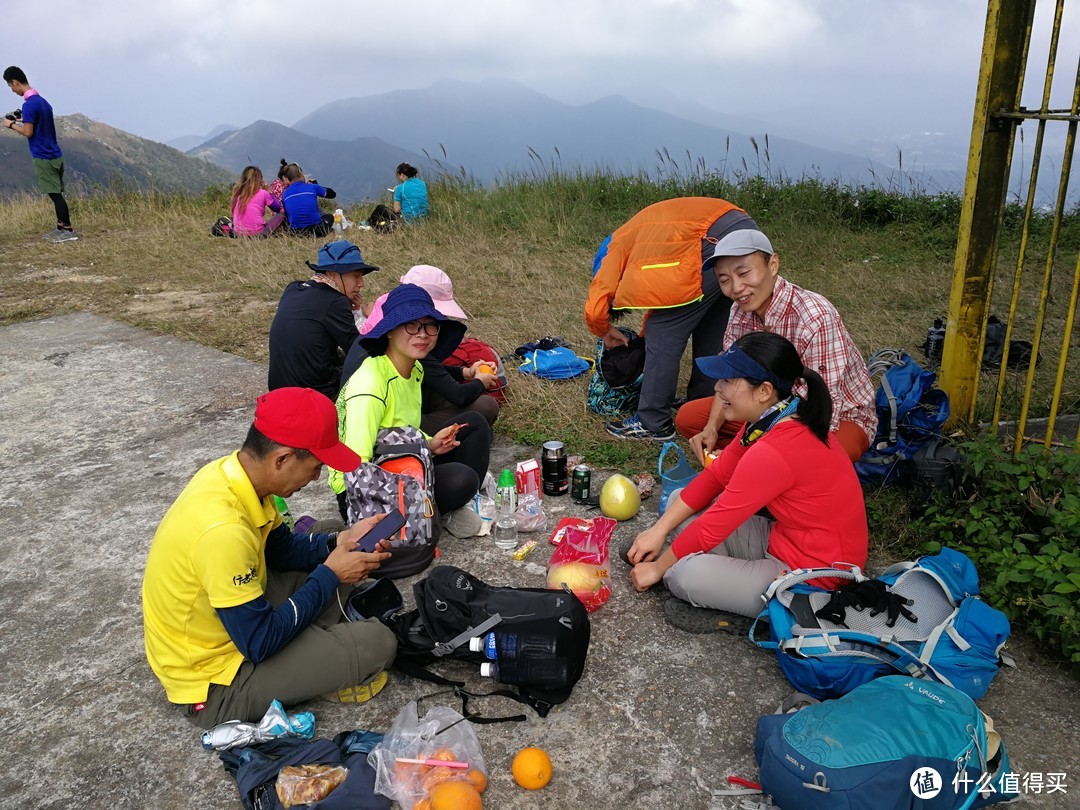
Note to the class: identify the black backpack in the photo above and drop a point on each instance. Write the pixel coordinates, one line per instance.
(453, 606)
(222, 227)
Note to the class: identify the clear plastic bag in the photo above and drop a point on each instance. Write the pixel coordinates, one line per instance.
(580, 562)
(307, 784)
(440, 735)
(530, 515)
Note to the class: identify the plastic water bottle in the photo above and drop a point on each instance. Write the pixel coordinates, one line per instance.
(505, 647)
(552, 673)
(339, 221)
(506, 534)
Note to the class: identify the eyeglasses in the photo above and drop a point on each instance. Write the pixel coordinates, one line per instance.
(416, 327)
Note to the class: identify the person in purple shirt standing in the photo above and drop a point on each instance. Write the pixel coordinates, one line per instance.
(35, 123)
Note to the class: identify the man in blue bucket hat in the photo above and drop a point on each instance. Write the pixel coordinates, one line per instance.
(314, 325)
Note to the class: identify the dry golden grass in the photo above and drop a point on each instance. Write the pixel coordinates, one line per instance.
(520, 257)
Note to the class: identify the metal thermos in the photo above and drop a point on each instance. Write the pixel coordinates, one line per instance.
(553, 469)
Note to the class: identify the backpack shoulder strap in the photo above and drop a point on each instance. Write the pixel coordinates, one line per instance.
(443, 648)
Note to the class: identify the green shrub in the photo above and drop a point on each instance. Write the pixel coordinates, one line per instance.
(1020, 524)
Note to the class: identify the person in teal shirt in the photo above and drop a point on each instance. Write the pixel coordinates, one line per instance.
(410, 194)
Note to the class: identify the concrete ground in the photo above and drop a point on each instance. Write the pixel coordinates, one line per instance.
(103, 424)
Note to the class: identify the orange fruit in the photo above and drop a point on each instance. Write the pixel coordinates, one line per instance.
(436, 776)
(406, 772)
(456, 795)
(444, 755)
(531, 768)
(477, 780)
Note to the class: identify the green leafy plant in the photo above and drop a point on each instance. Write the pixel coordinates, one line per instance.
(1020, 524)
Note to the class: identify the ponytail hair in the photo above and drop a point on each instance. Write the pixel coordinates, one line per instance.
(815, 409)
(281, 171)
(777, 356)
(406, 169)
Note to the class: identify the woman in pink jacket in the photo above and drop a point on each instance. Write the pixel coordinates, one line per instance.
(249, 201)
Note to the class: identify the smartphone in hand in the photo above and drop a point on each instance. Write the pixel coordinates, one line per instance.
(393, 521)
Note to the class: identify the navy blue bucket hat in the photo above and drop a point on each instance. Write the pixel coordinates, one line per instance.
(406, 303)
(341, 256)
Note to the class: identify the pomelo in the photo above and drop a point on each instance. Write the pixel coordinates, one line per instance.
(619, 498)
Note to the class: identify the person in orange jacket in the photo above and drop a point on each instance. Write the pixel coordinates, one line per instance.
(660, 261)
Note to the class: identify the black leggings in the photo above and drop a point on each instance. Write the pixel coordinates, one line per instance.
(458, 474)
(321, 229)
(63, 216)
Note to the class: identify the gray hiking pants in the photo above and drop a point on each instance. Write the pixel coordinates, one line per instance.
(667, 332)
(328, 655)
(732, 576)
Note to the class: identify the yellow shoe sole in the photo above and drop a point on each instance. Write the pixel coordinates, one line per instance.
(363, 692)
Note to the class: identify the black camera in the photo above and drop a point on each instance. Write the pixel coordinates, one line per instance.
(15, 115)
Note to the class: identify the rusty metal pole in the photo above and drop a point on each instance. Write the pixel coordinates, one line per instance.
(1005, 47)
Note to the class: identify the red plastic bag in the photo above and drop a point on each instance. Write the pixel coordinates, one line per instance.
(580, 562)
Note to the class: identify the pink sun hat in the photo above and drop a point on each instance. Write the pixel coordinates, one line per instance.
(439, 287)
(375, 316)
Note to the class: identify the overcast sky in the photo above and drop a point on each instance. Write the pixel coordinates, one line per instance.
(874, 68)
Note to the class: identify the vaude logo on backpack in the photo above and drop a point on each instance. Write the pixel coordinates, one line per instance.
(922, 618)
(401, 477)
(894, 743)
(548, 629)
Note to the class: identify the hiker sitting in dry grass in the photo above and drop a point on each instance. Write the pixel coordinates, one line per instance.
(248, 203)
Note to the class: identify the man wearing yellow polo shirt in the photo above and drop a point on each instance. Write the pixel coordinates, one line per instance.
(238, 610)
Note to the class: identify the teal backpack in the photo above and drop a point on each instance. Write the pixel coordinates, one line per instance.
(619, 398)
(896, 742)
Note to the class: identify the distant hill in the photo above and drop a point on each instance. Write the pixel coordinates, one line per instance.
(492, 126)
(97, 156)
(186, 143)
(356, 168)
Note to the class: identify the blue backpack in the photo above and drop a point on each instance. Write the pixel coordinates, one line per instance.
(557, 363)
(894, 743)
(928, 623)
(911, 413)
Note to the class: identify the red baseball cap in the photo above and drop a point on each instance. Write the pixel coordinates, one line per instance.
(305, 419)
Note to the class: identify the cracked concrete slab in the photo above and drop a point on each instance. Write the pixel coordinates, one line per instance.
(104, 424)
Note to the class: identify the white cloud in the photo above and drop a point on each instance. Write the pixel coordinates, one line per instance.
(182, 66)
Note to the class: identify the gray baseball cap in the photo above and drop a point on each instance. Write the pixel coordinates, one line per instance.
(742, 242)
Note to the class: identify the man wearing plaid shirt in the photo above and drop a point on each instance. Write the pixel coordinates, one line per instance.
(748, 273)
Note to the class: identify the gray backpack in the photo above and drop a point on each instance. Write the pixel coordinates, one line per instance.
(400, 475)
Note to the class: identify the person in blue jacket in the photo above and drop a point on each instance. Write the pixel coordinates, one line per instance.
(301, 202)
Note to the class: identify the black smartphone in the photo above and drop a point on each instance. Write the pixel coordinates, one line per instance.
(393, 521)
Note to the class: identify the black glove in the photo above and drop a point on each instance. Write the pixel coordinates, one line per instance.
(835, 610)
(894, 608)
(867, 594)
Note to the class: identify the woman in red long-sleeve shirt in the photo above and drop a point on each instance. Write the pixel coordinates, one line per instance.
(719, 565)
